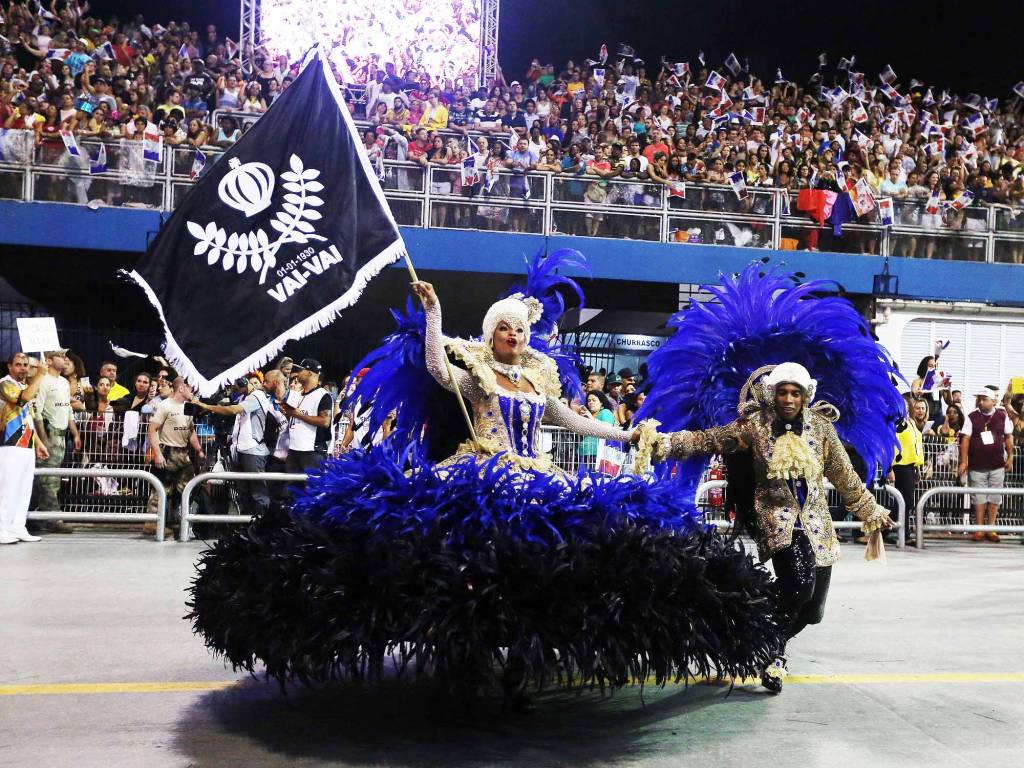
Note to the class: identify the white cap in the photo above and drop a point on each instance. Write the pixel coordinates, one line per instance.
(790, 373)
(515, 310)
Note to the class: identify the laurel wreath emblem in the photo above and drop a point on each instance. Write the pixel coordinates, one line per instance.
(254, 249)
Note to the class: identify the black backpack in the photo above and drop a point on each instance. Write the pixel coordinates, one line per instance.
(271, 430)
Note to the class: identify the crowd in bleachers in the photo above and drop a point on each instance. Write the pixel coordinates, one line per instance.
(616, 118)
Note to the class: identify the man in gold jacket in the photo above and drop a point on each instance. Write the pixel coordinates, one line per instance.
(793, 448)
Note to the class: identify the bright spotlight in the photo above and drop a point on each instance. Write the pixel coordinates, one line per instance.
(440, 37)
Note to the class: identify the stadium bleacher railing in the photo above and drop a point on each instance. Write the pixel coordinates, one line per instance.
(538, 203)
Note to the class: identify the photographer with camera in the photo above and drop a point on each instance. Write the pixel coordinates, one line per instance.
(253, 437)
(171, 431)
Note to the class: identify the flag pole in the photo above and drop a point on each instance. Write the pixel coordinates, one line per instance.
(448, 366)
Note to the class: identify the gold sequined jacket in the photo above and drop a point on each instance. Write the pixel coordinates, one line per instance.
(506, 422)
(775, 503)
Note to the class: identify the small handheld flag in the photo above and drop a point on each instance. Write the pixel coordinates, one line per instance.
(152, 143)
(863, 199)
(962, 200)
(976, 123)
(99, 165)
(739, 185)
(887, 76)
(469, 171)
(715, 81)
(733, 64)
(885, 211)
(198, 163)
(677, 189)
(70, 143)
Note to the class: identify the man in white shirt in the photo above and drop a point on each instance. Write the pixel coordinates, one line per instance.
(309, 419)
(249, 449)
(53, 422)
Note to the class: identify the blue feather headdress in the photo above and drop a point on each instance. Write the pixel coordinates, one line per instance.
(763, 317)
(397, 381)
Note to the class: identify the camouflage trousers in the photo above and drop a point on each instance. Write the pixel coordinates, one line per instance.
(176, 473)
(46, 488)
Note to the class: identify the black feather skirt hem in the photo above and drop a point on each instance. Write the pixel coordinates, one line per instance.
(485, 579)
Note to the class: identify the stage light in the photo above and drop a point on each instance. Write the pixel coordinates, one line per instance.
(440, 37)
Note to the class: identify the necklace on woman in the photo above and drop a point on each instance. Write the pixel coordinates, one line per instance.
(513, 373)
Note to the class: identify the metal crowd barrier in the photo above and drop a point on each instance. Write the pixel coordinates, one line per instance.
(433, 196)
(188, 518)
(159, 517)
(945, 509)
(923, 526)
(897, 497)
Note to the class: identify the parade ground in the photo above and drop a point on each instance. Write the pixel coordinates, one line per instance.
(918, 662)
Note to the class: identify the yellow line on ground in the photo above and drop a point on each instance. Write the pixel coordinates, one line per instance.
(73, 689)
(200, 686)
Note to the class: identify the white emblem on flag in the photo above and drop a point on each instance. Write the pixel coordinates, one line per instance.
(249, 188)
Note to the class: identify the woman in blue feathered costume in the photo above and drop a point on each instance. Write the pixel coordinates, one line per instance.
(740, 378)
(491, 568)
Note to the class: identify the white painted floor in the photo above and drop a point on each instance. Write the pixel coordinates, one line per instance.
(920, 662)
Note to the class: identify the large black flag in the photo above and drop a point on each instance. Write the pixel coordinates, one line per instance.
(279, 235)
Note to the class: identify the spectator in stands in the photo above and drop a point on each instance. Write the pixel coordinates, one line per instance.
(309, 419)
(420, 146)
(459, 117)
(986, 455)
(435, 113)
(398, 116)
(54, 422)
(196, 136)
(195, 105)
(227, 132)
(253, 100)
(170, 434)
(108, 369)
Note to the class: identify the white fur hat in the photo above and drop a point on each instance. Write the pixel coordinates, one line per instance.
(790, 373)
(516, 310)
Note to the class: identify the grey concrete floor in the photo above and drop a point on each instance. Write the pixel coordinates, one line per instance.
(937, 633)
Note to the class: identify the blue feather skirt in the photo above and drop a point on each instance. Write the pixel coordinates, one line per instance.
(478, 574)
